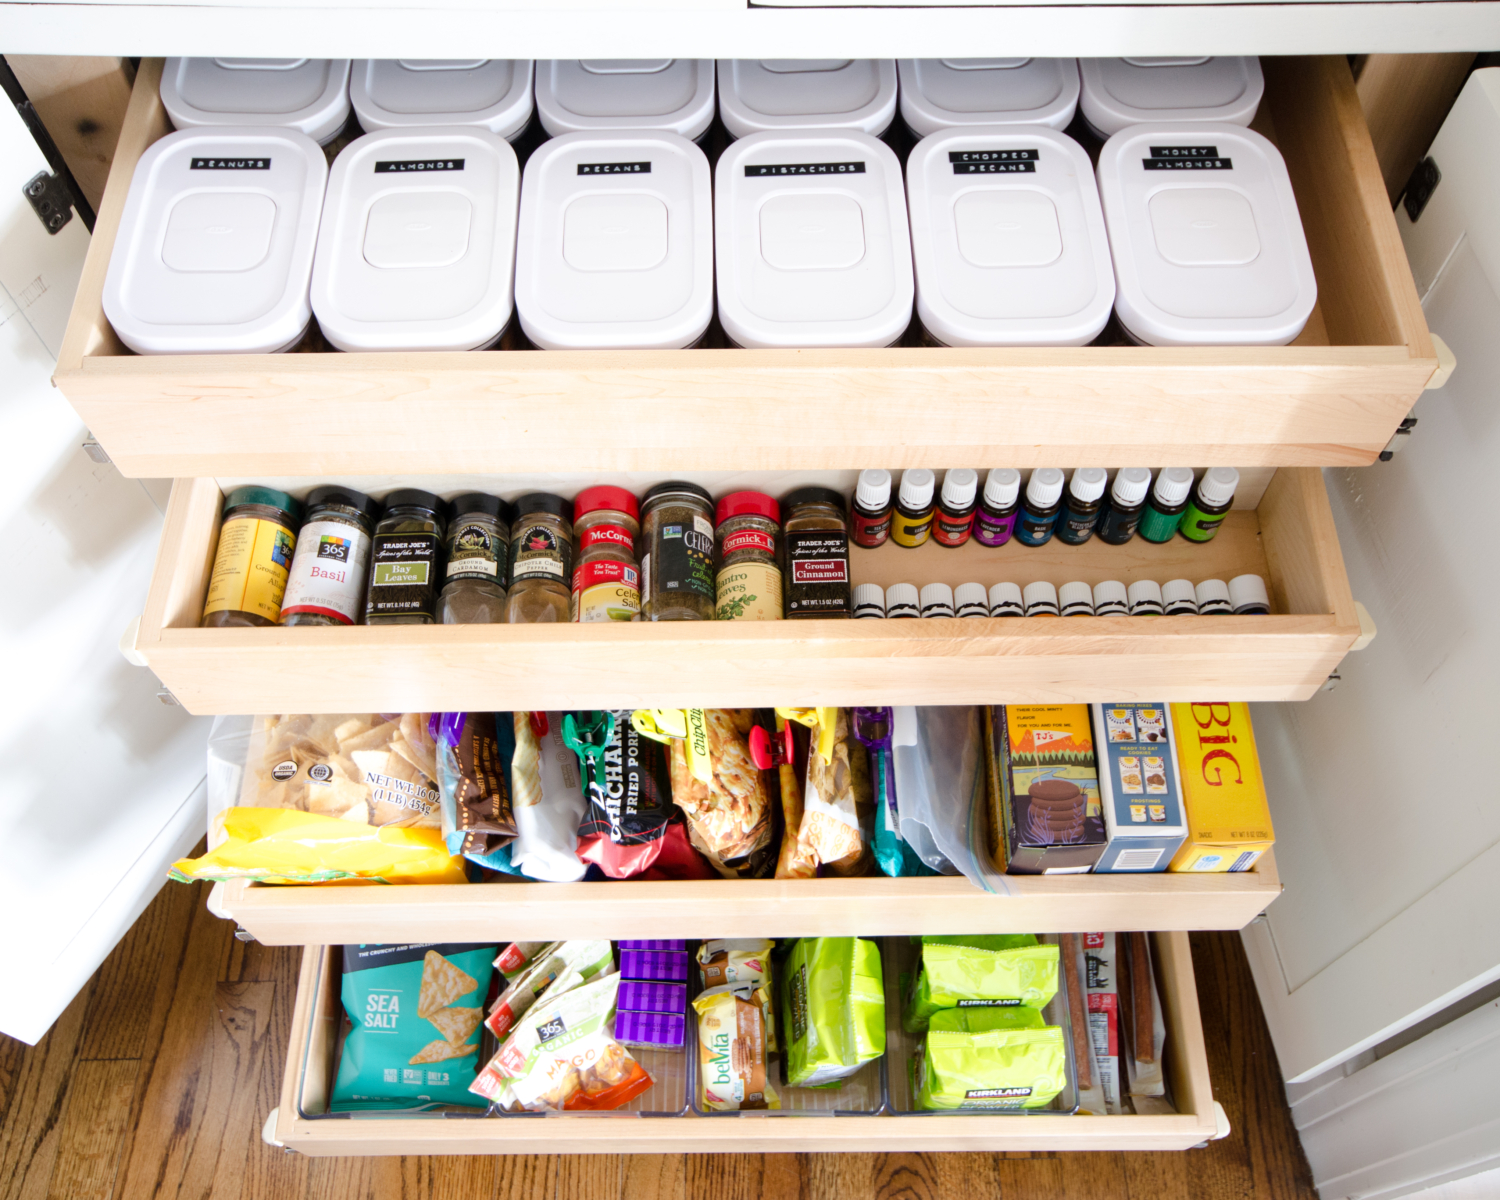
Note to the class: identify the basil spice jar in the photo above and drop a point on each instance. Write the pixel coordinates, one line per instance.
(326, 585)
(406, 560)
(478, 561)
(677, 569)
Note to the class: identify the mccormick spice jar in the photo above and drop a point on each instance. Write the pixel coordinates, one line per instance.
(817, 554)
(606, 581)
(327, 581)
(478, 561)
(256, 542)
(541, 560)
(749, 579)
(677, 570)
(406, 561)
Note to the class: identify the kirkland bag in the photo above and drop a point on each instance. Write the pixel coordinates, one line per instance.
(833, 1014)
(978, 1059)
(953, 976)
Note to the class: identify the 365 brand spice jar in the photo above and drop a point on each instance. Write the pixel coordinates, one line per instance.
(817, 553)
(677, 570)
(541, 560)
(256, 543)
(749, 578)
(406, 561)
(478, 561)
(326, 585)
(607, 580)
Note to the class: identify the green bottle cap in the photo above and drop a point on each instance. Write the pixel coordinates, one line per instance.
(269, 497)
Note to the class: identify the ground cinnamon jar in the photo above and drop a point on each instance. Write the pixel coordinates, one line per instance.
(817, 554)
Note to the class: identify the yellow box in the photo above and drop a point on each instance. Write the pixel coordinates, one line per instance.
(1223, 792)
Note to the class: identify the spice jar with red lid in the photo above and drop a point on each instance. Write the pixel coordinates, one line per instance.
(606, 581)
(748, 533)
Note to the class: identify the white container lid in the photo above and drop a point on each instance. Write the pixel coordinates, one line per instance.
(901, 600)
(1136, 91)
(1207, 240)
(1008, 238)
(971, 600)
(1247, 593)
(616, 243)
(869, 600)
(215, 248)
(757, 95)
(1076, 599)
(1006, 600)
(1179, 596)
(310, 95)
(396, 93)
(1110, 599)
(947, 93)
(416, 250)
(1041, 599)
(1145, 598)
(937, 600)
(811, 241)
(672, 95)
(1213, 597)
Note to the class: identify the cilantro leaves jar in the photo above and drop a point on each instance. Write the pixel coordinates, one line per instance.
(606, 581)
(541, 560)
(677, 569)
(406, 560)
(817, 554)
(256, 543)
(749, 577)
(327, 581)
(478, 561)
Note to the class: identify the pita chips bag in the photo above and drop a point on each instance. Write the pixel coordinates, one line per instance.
(416, 1011)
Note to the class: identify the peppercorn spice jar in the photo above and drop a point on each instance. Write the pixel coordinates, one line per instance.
(541, 560)
(478, 561)
(327, 581)
(817, 553)
(749, 576)
(406, 561)
(606, 581)
(677, 570)
(256, 542)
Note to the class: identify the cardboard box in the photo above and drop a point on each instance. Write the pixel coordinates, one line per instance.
(1223, 792)
(1139, 786)
(1045, 815)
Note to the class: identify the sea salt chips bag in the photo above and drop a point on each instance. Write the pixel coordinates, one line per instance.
(960, 976)
(833, 1009)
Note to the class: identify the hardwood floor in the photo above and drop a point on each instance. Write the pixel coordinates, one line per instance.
(156, 1081)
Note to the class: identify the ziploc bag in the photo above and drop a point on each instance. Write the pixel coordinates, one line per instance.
(939, 759)
(873, 727)
(970, 977)
(981, 1065)
(833, 1011)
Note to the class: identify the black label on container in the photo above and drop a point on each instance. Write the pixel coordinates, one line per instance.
(817, 573)
(993, 162)
(830, 168)
(619, 168)
(398, 166)
(537, 552)
(404, 574)
(229, 164)
(1186, 158)
(683, 562)
(474, 553)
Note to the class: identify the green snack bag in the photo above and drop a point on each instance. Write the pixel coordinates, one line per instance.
(981, 1020)
(416, 1011)
(980, 941)
(833, 1010)
(972, 977)
(994, 1068)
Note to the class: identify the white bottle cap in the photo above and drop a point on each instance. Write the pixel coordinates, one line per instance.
(937, 600)
(1088, 483)
(397, 93)
(1145, 598)
(1044, 487)
(309, 95)
(1247, 594)
(1040, 599)
(901, 600)
(1110, 599)
(947, 93)
(959, 486)
(1002, 486)
(1178, 597)
(1213, 597)
(756, 95)
(869, 600)
(1076, 600)
(1173, 485)
(1131, 486)
(670, 95)
(1217, 485)
(1005, 601)
(916, 489)
(969, 600)
(873, 491)
(1117, 92)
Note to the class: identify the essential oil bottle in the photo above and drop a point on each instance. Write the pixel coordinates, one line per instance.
(954, 521)
(902, 600)
(1038, 515)
(913, 521)
(1075, 524)
(1127, 501)
(870, 514)
(1164, 510)
(1075, 599)
(996, 518)
(1210, 504)
(1040, 599)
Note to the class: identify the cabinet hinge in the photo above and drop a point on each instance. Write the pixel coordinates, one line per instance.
(50, 200)
(95, 451)
(1398, 439)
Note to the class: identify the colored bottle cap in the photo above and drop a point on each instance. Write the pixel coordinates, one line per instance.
(348, 498)
(1213, 597)
(1217, 486)
(416, 498)
(869, 600)
(970, 600)
(739, 504)
(1001, 487)
(546, 502)
(1075, 600)
(1110, 599)
(603, 497)
(873, 491)
(1247, 594)
(269, 497)
(959, 486)
(480, 502)
(1178, 597)
(901, 600)
(1040, 597)
(1088, 483)
(1173, 485)
(937, 600)
(1005, 601)
(1131, 486)
(1045, 487)
(916, 489)
(1145, 598)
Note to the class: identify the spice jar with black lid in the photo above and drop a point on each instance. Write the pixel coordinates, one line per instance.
(541, 560)
(607, 579)
(406, 560)
(748, 584)
(478, 561)
(816, 534)
(256, 543)
(326, 585)
(677, 569)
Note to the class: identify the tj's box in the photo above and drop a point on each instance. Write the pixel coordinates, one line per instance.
(1139, 786)
(1229, 824)
(1045, 817)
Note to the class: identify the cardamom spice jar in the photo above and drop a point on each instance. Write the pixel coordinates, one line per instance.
(749, 579)
(677, 569)
(478, 561)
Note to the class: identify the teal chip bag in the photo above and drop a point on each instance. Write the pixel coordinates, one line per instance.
(416, 1011)
(833, 1012)
(959, 976)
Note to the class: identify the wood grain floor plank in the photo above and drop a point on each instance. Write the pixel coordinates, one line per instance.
(655, 1177)
(357, 1179)
(590, 1177)
(728, 1176)
(909, 1176)
(838, 1176)
(448, 1177)
(95, 1117)
(1092, 1176)
(783, 1176)
(31, 1134)
(1033, 1178)
(527, 1177)
(270, 1173)
(12, 1058)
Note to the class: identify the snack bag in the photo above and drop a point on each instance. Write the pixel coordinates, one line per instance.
(560, 966)
(837, 803)
(978, 1020)
(732, 1066)
(793, 861)
(1102, 993)
(741, 961)
(970, 977)
(833, 1011)
(474, 752)
(984, 1065)
(728, 812)
(548, 797)
(416, 1011)
(894, 856)
(518, 955)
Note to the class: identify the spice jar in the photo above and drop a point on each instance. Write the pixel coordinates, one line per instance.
(256, 541)
(749, 578)
(327, 581)
(406, 560)
(817, 553)
(478, 561)
(677, 570)
(606, 581)
(541, 560)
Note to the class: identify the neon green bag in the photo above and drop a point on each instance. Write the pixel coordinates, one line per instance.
(833, 1012)
(972, 977)
(981, 1020)
(993, 1068)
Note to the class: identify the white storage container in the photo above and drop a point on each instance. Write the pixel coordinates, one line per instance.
(1135, 91)
(616, 243)
(310, 95)
(1008, 238)
(417, 246)
(757, 95)
(811, 241)
(396, 93)
(215, 248)
(672, 95)
(1206, 237)
(948, 93)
